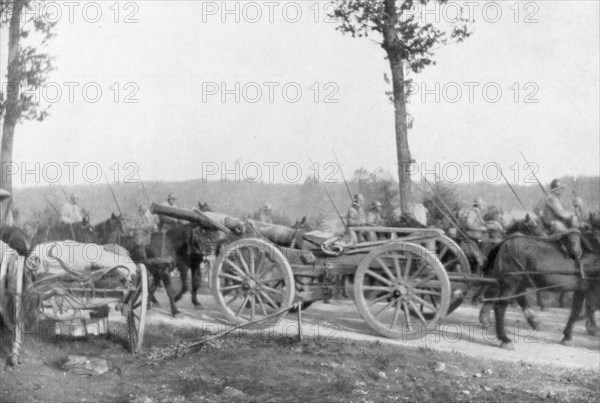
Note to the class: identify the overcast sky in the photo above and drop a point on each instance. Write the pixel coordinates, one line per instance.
(174, 59)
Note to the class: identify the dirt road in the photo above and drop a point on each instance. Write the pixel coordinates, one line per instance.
(460, 332)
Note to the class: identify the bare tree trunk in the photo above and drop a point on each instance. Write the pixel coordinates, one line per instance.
(11, 115)
(394, 49)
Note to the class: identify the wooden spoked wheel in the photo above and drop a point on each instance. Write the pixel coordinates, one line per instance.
(11, 292)
(454, 260)
(136, 310)
(252, 279)
(392, 286)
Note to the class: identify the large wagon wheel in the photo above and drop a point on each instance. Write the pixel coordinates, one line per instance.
(392, 286)
(136, 310)
(11, 288)
(454, 260)
(252, 279)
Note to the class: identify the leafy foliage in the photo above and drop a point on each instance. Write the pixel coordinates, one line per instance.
(417, 38)
(32, 63)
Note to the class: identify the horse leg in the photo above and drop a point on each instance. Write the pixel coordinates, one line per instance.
(561, 299)
(540, 301)
(166, 279)
(576, 306)
(590, 324)
(499, 312)
(527, 312)
(485, 313)
(183, 273)
(196, 268)
(152, 289)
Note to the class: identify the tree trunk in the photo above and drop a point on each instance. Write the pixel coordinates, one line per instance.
(395, 49)
(11, 113)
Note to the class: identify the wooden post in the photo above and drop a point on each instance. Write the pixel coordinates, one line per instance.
(299, 320)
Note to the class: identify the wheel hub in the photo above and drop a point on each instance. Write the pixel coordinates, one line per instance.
(401, 291)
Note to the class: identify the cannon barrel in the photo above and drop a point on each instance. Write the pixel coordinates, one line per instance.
(207, 220)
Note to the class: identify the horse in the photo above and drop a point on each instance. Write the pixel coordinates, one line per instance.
(520, 262)
(110, 230)
(180, 246)
(55, 230)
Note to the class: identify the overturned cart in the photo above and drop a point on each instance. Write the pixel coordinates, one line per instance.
(400, 282)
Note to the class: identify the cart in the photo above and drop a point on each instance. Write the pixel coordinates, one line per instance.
(69, 294)
(402, 284)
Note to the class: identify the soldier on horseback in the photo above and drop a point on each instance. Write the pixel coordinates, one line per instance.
(71, 214)
(557, 220)
(374, 219)
(474, 225)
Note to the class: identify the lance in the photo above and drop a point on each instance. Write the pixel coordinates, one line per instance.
(331, 200)
(534, 175)
(454, 223)
(144, 188)
(113, 195)
(516, 195)
(63, 192)
(441, 200)
(343, 177)
(48, 201)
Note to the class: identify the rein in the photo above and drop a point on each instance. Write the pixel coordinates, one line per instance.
(528, 292)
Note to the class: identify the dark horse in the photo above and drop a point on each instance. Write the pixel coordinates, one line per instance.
(181, 246)
(55, 230)
(521, 262)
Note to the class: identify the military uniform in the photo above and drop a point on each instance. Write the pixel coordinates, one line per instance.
(373, 219)
(556, 219)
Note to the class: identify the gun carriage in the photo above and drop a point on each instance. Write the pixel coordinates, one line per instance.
(402, 284)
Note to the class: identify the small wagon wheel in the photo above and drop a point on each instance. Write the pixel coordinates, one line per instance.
(251, 280)
(136, 313)
(454, 260)
(11, 288)
(391, 289)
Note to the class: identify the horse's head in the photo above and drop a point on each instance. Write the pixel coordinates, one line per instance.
(302, 224)
(526, 227)
(204, 207)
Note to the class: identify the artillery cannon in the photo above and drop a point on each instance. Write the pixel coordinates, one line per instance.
(278, 234)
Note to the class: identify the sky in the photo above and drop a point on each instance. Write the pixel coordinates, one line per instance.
(188, 92)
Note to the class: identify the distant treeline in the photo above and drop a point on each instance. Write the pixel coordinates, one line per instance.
(289, 200)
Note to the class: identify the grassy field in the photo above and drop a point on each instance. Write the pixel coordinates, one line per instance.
(281, 369)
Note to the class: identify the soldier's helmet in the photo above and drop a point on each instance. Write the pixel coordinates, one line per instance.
(478, 201)
(556, 184)
(359, 197)
(4, 194)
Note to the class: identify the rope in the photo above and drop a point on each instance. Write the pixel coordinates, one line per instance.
(528, 292)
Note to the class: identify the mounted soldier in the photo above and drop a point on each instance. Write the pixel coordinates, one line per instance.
(264, 215)
(356, 213)
(355, 217)
(72, 216)
(558, 220)
(476, 228)
(373, 220)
